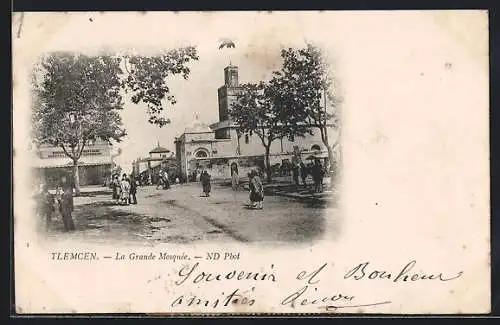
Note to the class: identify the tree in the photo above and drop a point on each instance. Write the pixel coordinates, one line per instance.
(307, 87)
(146, 77)
(77, 98)
(265, 109)
(254, 113)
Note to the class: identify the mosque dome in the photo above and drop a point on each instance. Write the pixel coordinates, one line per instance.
(197, 127)
(159, 149)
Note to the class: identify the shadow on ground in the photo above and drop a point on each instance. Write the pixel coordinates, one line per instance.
(108, 218)
(179, 217)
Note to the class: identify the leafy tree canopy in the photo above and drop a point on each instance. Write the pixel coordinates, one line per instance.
(78, 97)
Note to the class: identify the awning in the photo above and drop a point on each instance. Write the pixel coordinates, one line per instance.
(155, 164)
(67, 162)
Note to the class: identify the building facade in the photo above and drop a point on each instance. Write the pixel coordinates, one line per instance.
(159, 158)
(95, 164)
(218, 146)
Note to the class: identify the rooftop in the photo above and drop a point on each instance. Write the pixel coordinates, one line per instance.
(197, 127)
(159, 149)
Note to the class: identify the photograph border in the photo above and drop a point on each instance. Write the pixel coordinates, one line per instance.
(494, 176)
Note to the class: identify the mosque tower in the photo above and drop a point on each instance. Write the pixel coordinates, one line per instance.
(228, 92)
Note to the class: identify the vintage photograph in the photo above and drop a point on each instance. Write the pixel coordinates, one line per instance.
(224, 156)
(272, 162)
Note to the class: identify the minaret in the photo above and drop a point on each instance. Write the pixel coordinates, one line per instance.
(231, 76)
(227, 92)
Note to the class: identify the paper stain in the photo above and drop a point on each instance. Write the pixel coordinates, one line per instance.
(20, 27)
(38, 29)
(468, 28)
(379, 138)
(264, 50)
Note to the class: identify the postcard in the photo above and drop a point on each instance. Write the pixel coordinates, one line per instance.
(233, 163)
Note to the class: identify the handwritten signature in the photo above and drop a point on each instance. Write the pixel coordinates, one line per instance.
(308, 295)
(191, 273)
(236, 297)
(309, 291)
(363, 271)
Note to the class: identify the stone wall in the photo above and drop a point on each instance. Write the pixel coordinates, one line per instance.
(220, 168)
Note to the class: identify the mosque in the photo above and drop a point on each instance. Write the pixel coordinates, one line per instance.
(218, 146)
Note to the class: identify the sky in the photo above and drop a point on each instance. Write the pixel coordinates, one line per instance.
(257, 53)
(382, 59)
(195, 96)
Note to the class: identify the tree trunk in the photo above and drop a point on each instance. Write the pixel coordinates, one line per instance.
(76, 177)
(333, 166)
(238, 147)
(331, 158)
(268, 164)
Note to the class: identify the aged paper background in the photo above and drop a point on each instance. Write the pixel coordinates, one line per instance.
(415, 182)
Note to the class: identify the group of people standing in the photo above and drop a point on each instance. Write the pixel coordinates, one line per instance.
(316, 170)
(124, 190)
(163, 180)
(49, 205)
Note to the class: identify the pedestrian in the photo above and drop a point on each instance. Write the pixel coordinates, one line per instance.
(67, 206)
(317, 174)
(46, 208)
(295, 174)
(166, 180)
(159, 180)
(256, 190)
(303, 173)
(125, 190)
(58, 197)
(205, 182)
(321, 177)
(235, 179)
(114, 187)
(117, 190)
(133, 190)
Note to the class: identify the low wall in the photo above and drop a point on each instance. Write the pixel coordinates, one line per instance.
(220, 168)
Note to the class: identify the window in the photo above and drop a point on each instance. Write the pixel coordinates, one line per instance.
(56, 154)
(316, 148)
(201, 154)
(91, 152)
(234, 79)
(247, 139)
